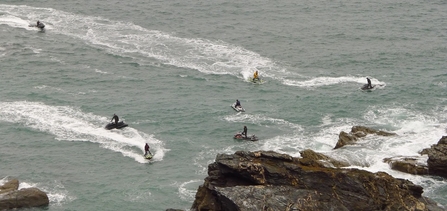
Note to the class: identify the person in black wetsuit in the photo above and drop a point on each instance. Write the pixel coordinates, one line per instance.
(238, 104)
(245, 131)
(40, 25)
(146, 149)
(369, 83)
(116, 118)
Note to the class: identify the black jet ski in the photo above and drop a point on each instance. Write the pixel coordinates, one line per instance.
(365, 87)
(112, 125)
(40, 25)
(242, 137)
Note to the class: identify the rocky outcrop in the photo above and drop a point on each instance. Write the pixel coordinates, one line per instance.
(9, 186)
(416, 165)
(311, 158)
(433, 161)
(361, 131)
(357, 132)
(265, 180)
(437, 158)
(12, 198)
(345, 139)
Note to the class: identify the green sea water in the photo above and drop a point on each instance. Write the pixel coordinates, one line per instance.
(172, 69)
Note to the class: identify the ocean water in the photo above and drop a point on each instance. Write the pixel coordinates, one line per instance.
(171, 70)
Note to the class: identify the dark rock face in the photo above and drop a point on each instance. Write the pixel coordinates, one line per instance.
(361, 131)
(437, 158)
(271, 181)
(411, 165)
(11, 197)
(357, 132)
(345, 139)
(312, 158)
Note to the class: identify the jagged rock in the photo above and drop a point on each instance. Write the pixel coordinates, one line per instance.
(413, 165)
(365, 130)
(272, 181)
(345, 139)
(437, 158)
(320, 160)
(25, 197)
(357, 132)
(10, 185)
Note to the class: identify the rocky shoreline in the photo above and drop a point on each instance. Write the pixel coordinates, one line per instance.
(432, 161)
(266, 180)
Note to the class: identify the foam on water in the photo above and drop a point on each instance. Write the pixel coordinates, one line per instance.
(262, 120)
(14, 21)
(416, 130)
(188, 193)
(127, 39)
(56, 192)
(71, 124)
(328, 81)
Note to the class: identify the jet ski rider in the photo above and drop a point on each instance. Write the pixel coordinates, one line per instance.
(146, 149)
(369, 83)
(255, 75)
(116, 118)
(245, 131)
(40, 25)
(238, 104)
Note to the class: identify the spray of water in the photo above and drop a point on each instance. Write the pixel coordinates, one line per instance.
(71, 124)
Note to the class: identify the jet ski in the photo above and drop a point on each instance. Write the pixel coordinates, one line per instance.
(148, 156)
(255, 81)
(40, 26)
(238, 108)
(365, 87)
(112, 125)
(242, 137)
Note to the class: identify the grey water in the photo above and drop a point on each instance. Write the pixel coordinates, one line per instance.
(171, 70)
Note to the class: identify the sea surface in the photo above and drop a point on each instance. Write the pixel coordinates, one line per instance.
(171, 70)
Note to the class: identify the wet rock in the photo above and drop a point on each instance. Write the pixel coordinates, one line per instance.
(309, 157)
(10, 185)
(12, 198)
(271, 181)
(357, 132)
(361, 131)
(437, 158)
(345, 139)
(416, 165)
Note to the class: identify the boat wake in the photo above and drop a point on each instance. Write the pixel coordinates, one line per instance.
(71, 124)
